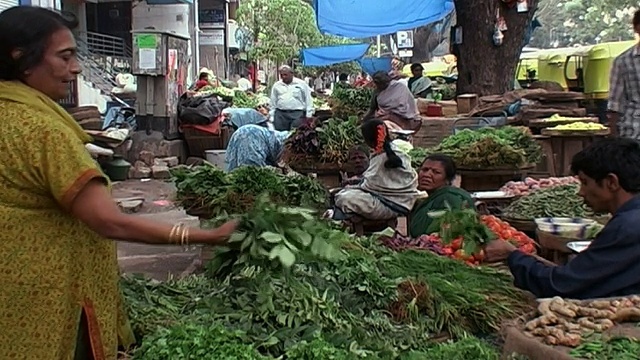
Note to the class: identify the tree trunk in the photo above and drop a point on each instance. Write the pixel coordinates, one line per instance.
(483, 68)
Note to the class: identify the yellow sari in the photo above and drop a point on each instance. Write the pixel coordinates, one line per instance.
(53, 268)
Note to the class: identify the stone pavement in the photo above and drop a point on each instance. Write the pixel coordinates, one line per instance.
(160, 261)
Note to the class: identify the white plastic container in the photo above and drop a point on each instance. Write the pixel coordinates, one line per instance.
(216, 157)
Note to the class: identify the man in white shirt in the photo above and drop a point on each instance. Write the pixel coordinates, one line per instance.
(243, 83)
(291, 101)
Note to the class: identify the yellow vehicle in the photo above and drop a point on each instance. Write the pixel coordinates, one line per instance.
(599, 61)
(554, 65)
(431, 69)
(575, 67)
(527, 69)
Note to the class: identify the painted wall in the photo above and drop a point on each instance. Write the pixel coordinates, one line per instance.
(169, 18)
(88, 95)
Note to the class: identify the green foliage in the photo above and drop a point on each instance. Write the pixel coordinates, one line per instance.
(213, 342)
(583, 22)
(490, 147)
(210, 190)
(281, 28)
(365, 304)
(271, 236)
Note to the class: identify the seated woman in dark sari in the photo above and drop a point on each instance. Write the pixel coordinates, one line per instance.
(435, 176)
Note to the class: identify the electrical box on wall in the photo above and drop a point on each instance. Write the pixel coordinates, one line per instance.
(161, 63)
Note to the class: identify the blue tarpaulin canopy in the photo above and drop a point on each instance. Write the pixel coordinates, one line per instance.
(365, 18)
(329, 55)
(373, 65)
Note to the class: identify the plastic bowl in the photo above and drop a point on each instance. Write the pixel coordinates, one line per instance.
(573, 228)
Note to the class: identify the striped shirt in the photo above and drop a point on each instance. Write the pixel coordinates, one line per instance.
(624, 92)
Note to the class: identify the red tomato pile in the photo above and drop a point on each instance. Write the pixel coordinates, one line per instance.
(455, 251)
(503, 231)
(506, 232)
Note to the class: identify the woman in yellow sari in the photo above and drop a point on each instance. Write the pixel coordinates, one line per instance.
(59, 296)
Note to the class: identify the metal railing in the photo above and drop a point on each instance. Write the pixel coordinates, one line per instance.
(102, 58)
(72, 97)
(93, 72)
(106, 45)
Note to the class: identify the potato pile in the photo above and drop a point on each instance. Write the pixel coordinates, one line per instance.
(565, 322)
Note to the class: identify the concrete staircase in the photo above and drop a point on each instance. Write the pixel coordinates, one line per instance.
(102, 58)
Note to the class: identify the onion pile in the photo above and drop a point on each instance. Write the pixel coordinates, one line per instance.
(521, 188)
(424, 242)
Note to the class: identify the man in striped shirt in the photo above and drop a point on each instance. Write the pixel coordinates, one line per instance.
(624, 91)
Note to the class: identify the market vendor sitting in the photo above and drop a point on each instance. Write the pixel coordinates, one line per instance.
(255, 145)
(393, 101)
(436, 176)
(609, 172)
(419, 84)
(389, 185)
(357, 164)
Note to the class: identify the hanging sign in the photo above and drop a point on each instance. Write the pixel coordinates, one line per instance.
(405, 39)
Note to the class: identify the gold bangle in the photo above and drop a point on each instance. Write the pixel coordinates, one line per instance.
(183, 236)
(174, 232)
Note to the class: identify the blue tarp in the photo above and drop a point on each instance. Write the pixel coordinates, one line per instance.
(365, 18)
(373, 65)
(329, 55)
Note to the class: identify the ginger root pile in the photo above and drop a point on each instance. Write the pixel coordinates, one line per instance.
(565, 322)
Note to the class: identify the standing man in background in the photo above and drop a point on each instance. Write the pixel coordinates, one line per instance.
(318, 84)
(623, 109)
(291, 101)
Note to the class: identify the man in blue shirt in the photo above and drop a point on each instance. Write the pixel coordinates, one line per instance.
(609, 172)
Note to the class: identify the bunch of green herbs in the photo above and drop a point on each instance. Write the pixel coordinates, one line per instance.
(210, 191)
(347, 306)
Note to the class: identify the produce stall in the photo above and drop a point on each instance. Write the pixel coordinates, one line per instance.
(291, 286)
(487, 157)
(567, 140)
(571, 329)
(322, 148)
(557, 201)
(464, 238)
(537, 125)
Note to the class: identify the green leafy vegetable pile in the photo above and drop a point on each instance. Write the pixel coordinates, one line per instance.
(368, 302)
(617, 348)
(347, 100)
(241, 99)
(326, 142)
(210, 191)
(491, 147)
(270, 236)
